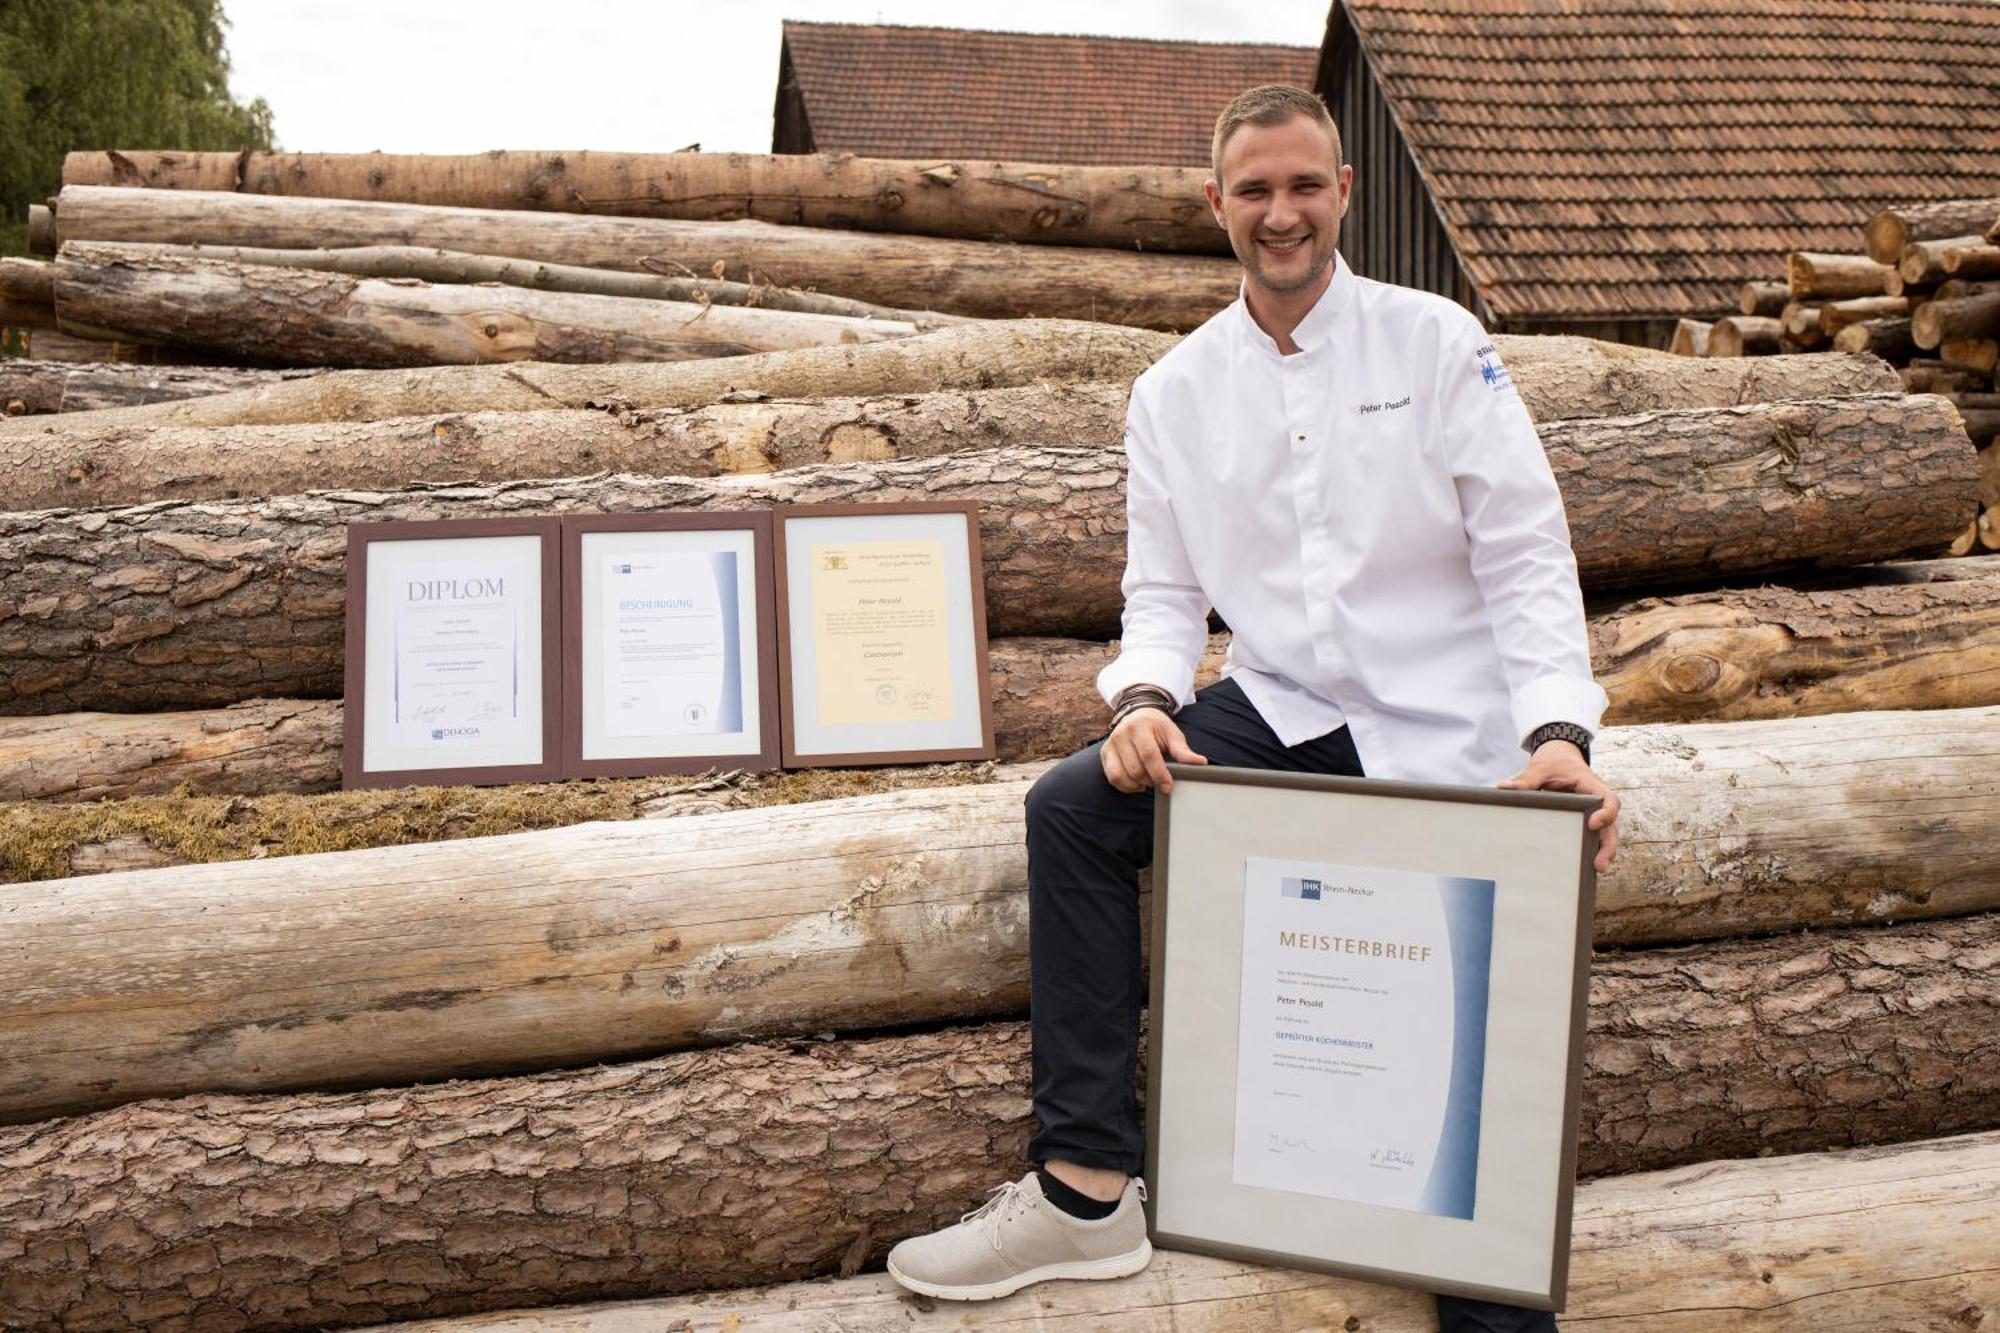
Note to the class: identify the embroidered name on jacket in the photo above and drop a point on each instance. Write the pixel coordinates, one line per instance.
(1366, 408)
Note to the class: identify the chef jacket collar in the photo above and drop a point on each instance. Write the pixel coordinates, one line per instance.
(1318, 325)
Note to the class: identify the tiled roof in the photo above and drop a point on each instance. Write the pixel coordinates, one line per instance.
(1604, 158)
(936, 92)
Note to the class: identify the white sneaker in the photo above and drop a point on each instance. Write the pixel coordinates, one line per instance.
(1018, 1237)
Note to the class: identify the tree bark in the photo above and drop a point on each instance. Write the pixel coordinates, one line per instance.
(1924, 261)
(59, 386)
(1744, 335)
(1762, 298)
(1887, 338)
(956, 277)
(1691, 337)
(1957, 289)
(1802, 325)
(1780, 1245)
(755, 1163)
(26, 315)
(1892, 229)
(1930, 376)
(178, 605)
(1045, 704)
(75, 464)
(1558, 378)
(450, 959)
(1980, 354)
(968, 356)
(41, 230)
(186, 604)
(1125, 207)
(765, 1163)
(1729, 492)
(1973, 259)
(301, 317)
(29, 280)
(1828, 277)
(96, 462)
(1923, 635)
(1837, 315)
(455, 266)
(1973, 317)
(1773, 652)
(267, 745)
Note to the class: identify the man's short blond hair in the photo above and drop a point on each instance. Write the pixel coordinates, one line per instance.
(1272, 104)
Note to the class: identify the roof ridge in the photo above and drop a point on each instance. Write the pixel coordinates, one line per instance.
(802, 25)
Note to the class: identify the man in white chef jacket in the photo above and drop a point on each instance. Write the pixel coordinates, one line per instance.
(1343, 470)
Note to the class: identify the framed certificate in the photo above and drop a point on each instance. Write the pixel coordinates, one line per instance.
(1367, 1027)
(882, 634)
(669, 644)
(452, 667)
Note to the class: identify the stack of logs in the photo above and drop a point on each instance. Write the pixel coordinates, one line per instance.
(1925, 296)
(607, 1054)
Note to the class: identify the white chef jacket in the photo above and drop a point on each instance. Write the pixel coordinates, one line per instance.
(1376, 521)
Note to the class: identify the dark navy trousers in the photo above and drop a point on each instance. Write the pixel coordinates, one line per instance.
(1087, 843)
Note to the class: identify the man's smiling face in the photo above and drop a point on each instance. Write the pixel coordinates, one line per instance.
(1281, 195)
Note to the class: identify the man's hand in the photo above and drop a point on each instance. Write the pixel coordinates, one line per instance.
(1559, 766)
(1135, 755)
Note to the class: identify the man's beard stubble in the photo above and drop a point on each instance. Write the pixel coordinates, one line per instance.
(1252, 265)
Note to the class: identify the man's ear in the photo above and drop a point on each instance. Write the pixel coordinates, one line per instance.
(1213, 192)
(1346, 187)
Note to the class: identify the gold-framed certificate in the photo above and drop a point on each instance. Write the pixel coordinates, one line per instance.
(1367, 1027)
(882, 634)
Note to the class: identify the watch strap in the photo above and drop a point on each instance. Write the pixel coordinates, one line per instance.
(1559, 731)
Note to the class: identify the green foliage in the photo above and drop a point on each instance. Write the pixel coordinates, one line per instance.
(85, 74)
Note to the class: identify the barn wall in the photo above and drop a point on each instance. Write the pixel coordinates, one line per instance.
(1392, 232)
(791, 131)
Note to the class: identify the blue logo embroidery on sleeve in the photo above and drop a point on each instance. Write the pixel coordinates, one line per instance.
(1490, 370)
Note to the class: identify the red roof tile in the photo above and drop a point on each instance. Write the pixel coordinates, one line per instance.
(935, 92)
(1596, 158)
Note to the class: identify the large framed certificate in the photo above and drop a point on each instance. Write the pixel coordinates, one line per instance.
(882, 634)
(1367, 1027)
(669, 643)
(452, 673)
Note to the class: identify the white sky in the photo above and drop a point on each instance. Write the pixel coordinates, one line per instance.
(447, 76)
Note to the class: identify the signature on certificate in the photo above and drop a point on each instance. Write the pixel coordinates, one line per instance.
(1391, 1158)
(1285, 1143)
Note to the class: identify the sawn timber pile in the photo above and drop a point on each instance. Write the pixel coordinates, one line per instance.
(185, 604)
(604, 941)
(105, 460)
(761, 1163)
(1919, 635)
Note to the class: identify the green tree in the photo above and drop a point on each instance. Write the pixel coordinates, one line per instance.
(83, 74)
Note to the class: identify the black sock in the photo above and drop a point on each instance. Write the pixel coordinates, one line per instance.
(1074, 1202)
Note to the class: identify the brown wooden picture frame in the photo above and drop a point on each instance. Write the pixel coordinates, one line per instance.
(759, 524)
(1569, 1052)
(981, 686)
(360, 537)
